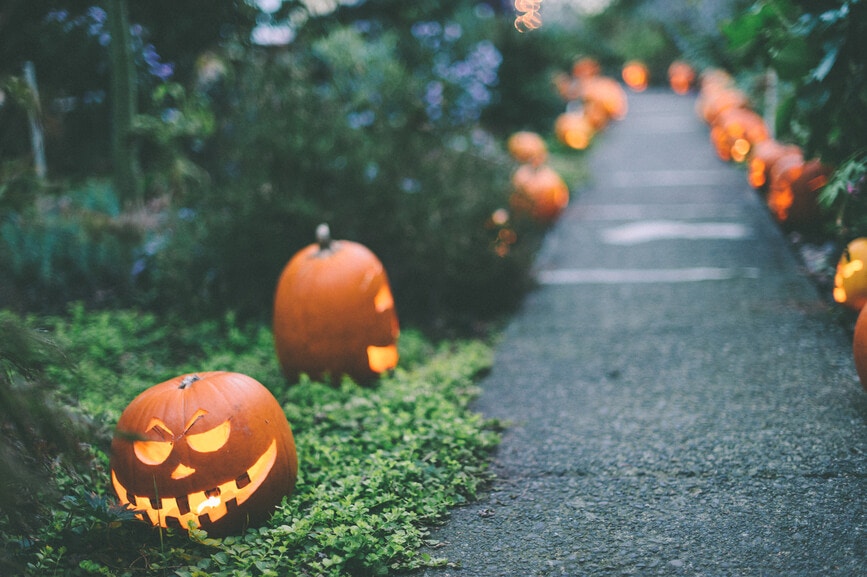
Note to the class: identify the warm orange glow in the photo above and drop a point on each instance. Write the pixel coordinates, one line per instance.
(528, 15)
(740, 149)
(382, 359)
(756, 175)
(780, 195)
(850, 280)
(735, 131)
(680, 76)
(383, 299)
(210, 441)
(762, 157)
(539, 192)
(574, 130)
(636, 75)
(500, 217)
(793, 191)
(152, 452)
(182, 472)
(211, 502)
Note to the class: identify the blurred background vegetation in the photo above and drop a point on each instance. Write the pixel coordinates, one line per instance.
(252, 122)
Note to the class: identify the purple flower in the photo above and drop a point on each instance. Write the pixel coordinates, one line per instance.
(97, 14)
(57, 16)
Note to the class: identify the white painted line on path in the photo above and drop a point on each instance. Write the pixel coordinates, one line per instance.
(649, 211)
(650, 230)
(577, 276)
(649, 178)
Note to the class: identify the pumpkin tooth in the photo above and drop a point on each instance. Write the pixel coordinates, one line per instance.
(156, 503)
(242, 480)
(183, 505)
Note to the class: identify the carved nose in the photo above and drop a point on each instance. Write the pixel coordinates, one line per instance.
(182, 471)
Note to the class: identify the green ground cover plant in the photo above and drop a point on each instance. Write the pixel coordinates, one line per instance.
(377, 465)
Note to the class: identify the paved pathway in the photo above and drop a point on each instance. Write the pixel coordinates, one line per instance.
(681, 401)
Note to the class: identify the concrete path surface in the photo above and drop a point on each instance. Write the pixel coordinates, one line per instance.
(680, 400)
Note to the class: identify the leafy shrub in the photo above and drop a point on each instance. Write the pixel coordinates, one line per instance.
(342, 134)
(377, 465)
(817, 50)
(76, 245)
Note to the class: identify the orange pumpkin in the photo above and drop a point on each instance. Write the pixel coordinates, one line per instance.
(635, 75)
(574, 130)
(794, 189)
(735, 131)
(859, 347)
(334, 313)
(680, 76)
(850, 279)
(713, 102)
(762, 157)
(586, 67)
(539, 192)
(527, 147)
(606, 92)
(212, 450)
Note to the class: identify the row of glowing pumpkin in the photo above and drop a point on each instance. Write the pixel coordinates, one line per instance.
(593, 100)
(214, 450)
(791, 184)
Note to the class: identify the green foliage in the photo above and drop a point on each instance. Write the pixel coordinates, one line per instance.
(377, 465)
(76, 245)
(38, 432)
(818, 49)
(845, 198)
(339, 134)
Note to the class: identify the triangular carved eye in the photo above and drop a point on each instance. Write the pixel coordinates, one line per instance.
(154, 452)
(210, 441)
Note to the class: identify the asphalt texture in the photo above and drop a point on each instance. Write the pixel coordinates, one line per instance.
(681, 400)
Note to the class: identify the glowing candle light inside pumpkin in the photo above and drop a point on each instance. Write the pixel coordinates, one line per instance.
(850, 280)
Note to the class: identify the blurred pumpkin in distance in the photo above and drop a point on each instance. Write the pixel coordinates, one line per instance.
(635, 75)
(681, 76)
(527, 147)
(539, 192)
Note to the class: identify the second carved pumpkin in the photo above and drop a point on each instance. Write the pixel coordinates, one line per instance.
(334, 313)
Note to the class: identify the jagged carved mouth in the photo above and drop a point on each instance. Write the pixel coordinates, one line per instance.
(202, 507)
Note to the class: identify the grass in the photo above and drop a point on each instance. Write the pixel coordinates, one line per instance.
(377, 465)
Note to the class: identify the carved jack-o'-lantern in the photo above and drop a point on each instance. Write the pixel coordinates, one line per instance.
(762, 157)
(793, 192)
(635, 75)
(574, 129)
(334, 312)
(680, 76)
(850, 279)
(213, 450)
(735, 131)
(539, 192)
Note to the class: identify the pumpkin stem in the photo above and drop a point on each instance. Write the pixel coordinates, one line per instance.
(323, 236)
(189, 380)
